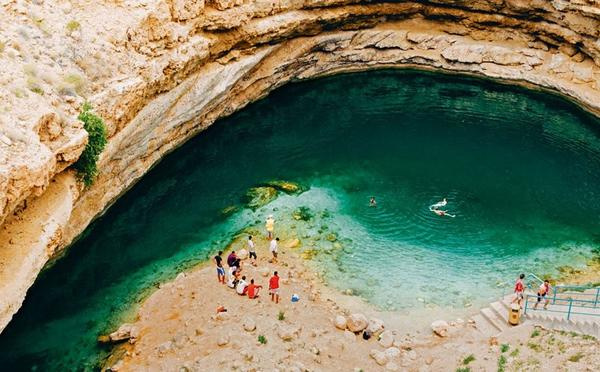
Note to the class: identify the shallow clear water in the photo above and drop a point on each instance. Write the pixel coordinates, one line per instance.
(521, 171)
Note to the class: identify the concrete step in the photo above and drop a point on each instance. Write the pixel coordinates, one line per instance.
(500, 310)
(491, 317)
(484, 326)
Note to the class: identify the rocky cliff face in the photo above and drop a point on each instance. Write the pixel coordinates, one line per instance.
(160, 71)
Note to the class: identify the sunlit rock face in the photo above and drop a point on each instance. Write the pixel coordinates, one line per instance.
(160, 71)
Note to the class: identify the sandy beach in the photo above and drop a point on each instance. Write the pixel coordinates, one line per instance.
(178, 328)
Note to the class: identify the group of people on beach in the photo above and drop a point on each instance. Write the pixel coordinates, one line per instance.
(234, 278)
(542, 293)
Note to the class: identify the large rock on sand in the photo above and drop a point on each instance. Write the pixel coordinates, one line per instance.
(126, 331)
(242, 254)
(357, 322)
(440, 328)
(340, 322)
(249, 324)
(380, 357)
(375, 327)
(386, 339)
(288, 333)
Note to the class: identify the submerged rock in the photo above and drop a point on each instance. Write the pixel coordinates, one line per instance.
(302, 214)
(286, 186)
(257, 197)
(227, 211)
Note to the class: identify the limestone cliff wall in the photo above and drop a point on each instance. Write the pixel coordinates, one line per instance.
(160, 71)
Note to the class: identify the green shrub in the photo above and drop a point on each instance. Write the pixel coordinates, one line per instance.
(504, 348)
(469, 359)
(262, 339)
(86, 166)
(501, 363)
(281, 315)
(575, 358)
(535, 333)
(73, 25)
(466, 369)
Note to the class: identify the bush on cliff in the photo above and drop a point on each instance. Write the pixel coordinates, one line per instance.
(86, 166)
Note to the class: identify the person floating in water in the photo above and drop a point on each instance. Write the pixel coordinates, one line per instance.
(440, 212)
(372, 202)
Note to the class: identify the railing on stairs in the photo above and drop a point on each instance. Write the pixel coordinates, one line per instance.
(569, 300)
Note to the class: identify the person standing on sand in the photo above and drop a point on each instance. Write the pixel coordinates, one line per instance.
(270, 226)
(252, 250)
(274, 287)
(519, 290)
(543, 291)
(220, 270)
(253, 289)
(273, 249)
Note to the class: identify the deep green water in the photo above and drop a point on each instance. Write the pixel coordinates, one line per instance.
(521, 171)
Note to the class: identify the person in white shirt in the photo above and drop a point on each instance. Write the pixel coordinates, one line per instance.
(242, 287)
(273, 249)
(252, 250)
(231, 279)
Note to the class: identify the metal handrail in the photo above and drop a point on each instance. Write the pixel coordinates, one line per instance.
(572, 303)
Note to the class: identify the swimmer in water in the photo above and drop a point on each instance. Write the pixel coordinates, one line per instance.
(372, 202)
(442, 213)
(440, 204)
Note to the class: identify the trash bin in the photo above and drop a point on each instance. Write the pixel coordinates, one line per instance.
(514, 314)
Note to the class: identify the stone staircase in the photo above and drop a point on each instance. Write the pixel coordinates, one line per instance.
(493, 320)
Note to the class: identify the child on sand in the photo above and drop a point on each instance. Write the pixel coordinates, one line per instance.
(253, 289)
(274, 287)
(273, 249)
(220, 270)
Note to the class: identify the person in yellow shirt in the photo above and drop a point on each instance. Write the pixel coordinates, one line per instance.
(270, 225)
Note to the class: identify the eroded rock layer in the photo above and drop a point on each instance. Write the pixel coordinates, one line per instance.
(160, 71)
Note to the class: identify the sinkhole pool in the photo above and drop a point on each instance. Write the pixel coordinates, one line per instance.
(520, 170)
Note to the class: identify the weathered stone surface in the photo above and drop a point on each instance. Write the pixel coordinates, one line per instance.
(386, 339)
(340, 322)
(440, 328)
(125, 332)
(375, 326)
(380, 357)
(140, 66)
(249, 324)
(357, 322)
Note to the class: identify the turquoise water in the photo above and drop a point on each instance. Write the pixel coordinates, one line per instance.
(521, 171)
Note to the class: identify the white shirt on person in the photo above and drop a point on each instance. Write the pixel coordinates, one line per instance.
(242, 284)
(250, 245)
(273, 246)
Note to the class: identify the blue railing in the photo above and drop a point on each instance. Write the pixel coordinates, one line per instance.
(570, 306)
(592, 293)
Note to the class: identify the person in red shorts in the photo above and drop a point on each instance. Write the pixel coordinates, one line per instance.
(253, 289)
(274, 287)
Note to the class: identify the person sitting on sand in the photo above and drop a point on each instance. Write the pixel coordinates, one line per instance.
(242, 287)
(274, 287)
(253, 289)
(231, 259)
(543, 291)
(519, 290)
(231, 278)
(220, 270)
(273, 249)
